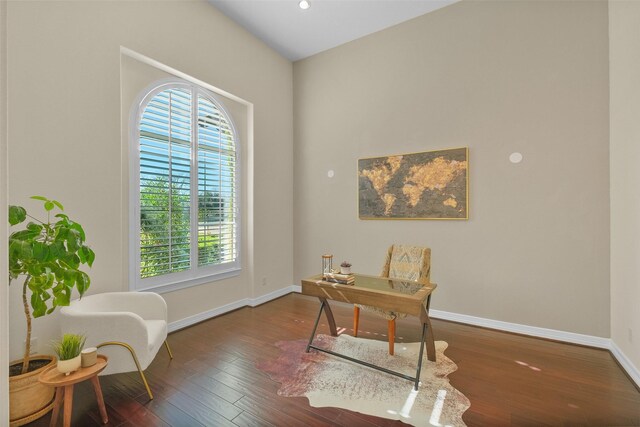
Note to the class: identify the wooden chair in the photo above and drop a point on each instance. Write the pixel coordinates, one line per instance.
(411, 263)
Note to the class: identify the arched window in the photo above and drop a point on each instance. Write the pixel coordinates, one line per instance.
(186, 189)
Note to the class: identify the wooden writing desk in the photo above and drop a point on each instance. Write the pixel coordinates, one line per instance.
(396, 295)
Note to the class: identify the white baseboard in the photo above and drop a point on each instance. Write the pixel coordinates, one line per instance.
(271, 296)
(626, 364)
(534, 331)
(196, 318)
(251, 302)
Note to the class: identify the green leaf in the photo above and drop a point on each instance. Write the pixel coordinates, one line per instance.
(33, 269)
(26, 235)
(61, 232)
(82, 255)
(77, 227)
(70, 276)
(19, 250)
(32, 226)
(38, 305)
(90, 257)
(44, 199)
(73, 240)
(82, 282)
(62, 297)
(58, 204)
(40, 251)
(17, 214)
(48, 205)
(56, 250)
(34, 284)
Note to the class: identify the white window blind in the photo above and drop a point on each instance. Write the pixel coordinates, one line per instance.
(187, 195)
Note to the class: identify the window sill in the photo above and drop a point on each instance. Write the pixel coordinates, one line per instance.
(187, 283)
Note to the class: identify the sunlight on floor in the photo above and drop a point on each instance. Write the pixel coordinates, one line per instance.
(437, 408)
(408, 404)
(360, 332)
(533, 368)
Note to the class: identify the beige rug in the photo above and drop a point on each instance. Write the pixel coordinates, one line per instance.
(327, 380)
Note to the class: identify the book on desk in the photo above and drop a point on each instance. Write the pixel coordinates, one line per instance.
(344, 279)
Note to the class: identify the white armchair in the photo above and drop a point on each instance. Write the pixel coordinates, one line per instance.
(129, 327)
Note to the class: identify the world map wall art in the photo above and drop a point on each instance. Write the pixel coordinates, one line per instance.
(428, 185)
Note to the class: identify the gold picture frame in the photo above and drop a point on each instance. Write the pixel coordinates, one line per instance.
(422, 185)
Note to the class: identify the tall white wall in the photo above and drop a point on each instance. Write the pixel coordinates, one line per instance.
(498, 77)
(64, 97)
(624, 45)
(4, 291)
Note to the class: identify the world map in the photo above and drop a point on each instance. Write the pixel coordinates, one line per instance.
(428, 185)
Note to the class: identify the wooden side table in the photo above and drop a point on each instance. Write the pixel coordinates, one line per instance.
(64, 388)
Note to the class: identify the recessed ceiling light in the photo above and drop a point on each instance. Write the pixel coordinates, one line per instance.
(304, 4)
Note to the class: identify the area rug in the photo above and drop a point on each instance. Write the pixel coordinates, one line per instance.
(328, 380)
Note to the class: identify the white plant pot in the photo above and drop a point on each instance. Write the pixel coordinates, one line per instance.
(345, 270)
(68, 366)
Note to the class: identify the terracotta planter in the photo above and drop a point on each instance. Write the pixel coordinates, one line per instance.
(28, 399)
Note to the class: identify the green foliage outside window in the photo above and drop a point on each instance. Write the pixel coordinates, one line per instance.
(165, 227)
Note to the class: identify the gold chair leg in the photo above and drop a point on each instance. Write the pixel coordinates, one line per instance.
(135, 359)
(166, 344)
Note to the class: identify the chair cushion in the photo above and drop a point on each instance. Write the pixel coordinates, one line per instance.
(410, 263)
(157, 330)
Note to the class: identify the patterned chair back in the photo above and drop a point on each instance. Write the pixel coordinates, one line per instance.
(408, 263)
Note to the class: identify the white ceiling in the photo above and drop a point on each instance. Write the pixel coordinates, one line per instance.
(297, 33)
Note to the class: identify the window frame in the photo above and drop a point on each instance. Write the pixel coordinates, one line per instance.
(195, 275)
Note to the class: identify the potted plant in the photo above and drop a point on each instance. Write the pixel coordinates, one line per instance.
(345, 268)
(48, 255)
(68, 350)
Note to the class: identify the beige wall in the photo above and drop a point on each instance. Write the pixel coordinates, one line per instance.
(65, 130)
(624, 39)
(497, 77)
(4, 291)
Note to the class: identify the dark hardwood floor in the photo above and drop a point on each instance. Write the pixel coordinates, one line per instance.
(212, 381)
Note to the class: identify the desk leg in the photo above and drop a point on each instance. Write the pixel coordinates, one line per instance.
(330, 319)
(103, 411)
(68, 405)
(431, 346)
(315, 326)
(56, 406)
(420, 353)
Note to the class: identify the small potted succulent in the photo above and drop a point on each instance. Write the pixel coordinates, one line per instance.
(345, 267)
(68, 350)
